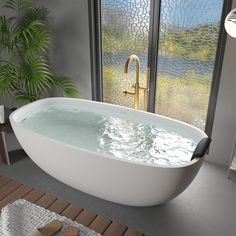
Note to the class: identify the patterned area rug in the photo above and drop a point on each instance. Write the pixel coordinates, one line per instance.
(21, 217)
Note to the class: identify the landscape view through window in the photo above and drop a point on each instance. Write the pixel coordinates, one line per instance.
(188, 37)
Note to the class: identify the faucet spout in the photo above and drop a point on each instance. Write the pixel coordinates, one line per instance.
(126, 68)
(136, 86)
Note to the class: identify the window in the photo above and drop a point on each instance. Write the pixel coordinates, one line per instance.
(181, 41)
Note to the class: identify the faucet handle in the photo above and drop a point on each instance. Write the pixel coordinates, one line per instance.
(126, 93)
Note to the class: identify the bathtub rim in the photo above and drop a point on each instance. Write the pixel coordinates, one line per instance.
(16, 123)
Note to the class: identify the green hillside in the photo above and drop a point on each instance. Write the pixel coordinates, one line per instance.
(195, 44)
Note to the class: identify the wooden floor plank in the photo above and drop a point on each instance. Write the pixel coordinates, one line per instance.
(18, 193)
(46, 200)
(115, 229)
(86, 217)
(72, 211)
(11, 190)
(100, 224)
(8, 188)
(34, 195)
(4, 180)
(58, 206)
(132, 232)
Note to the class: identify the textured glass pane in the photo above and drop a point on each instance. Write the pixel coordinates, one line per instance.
(125, 28)
(188, 39)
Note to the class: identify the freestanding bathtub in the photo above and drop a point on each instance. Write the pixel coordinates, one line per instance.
(110, 178)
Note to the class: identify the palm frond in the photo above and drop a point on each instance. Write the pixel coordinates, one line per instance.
(67, 86)
(8, 76)
(37, 75)
(42, 41)
(7, 31)
(5, 26)
(39, 46)
(23, 4)
(34, 30)
(4, 32)
(30, 32)
(16, 4)
(34, 13)
(33, 27)
(15, 37)
(10, 4)
(24, 96)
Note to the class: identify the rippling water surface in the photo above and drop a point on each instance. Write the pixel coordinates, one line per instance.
(113, 134)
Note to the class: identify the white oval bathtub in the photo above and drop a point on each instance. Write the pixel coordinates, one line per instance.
(108, 177)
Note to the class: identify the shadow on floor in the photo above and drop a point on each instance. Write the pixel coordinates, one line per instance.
(17, 155)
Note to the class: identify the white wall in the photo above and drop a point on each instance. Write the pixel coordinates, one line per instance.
(71, 54)
(224, 127)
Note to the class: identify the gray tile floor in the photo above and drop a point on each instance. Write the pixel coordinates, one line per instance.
(206, 208)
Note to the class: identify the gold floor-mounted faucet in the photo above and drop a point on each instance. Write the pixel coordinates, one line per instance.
(136, 86)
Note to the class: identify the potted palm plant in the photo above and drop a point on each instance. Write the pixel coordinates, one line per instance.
(25, 42)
